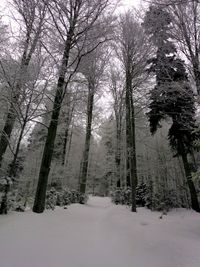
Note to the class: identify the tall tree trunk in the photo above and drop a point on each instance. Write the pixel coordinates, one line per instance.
(69, 147)
(84, 163)
(129, 139)
(128, 175)
(134, 156)
(193, 193)
(118, 152)
(39, 203)
(65, 140)
(66, 136)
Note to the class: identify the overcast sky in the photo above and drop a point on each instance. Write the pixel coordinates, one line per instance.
(126, 3)
(131, 2)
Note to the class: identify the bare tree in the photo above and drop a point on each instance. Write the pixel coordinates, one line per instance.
(116, 88)
(93, 69)
(74, 21)
(33, 15)
(29, 109)
(133, 52)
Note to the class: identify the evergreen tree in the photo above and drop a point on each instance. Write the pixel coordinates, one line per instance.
(172, 96)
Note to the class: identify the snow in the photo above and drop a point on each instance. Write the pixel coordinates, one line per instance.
(100, 234)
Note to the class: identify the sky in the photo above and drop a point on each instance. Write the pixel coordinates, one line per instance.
(131, 2)
(126, 3)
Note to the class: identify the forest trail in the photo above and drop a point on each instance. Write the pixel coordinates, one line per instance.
(100, 234)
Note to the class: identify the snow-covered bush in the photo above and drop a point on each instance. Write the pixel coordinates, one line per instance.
(141, 192)
(5, 203)
(121, 196)
(51, 198)
(10, 199)
(145, 197)
(165, 201)
(83, 198)
(64, 198)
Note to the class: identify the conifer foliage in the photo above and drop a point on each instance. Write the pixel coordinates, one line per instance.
(172, 96)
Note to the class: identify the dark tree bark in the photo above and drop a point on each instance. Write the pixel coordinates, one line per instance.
(193, 193)
(130, 138)
(66, 135)
(65, 143)
(128, 176)
(4, 202)
(118, 149)
(8, 127)
(133, 138)
(69, 147)
(39, 203)
(84, 163)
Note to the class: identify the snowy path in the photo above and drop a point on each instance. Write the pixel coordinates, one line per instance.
(100, 234)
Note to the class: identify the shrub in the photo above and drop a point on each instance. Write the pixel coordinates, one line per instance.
(64, 198)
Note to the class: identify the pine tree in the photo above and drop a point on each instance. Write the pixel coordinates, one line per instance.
(172, 96)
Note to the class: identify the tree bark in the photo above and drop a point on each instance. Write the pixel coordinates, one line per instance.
(4, 202)
(130, 127)
(68, 121)
(6, 132)
(133, 139)
(128, 176)
(69, 147)
(84, 163)
(39, 203)
(118, 151)
(65, 140)
(193, 193)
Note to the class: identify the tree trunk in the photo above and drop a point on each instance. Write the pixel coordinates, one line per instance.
(4, 201)
(193, 193)
(39, 203)
(197, 78)
(84, 163)
(129, 139)
(68, 120)
(69, 147)
(128, 176)
(65, 140)
(118, 152)
(7, 130)
(134, 156)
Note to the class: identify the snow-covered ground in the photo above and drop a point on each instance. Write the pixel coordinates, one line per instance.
(100, 234)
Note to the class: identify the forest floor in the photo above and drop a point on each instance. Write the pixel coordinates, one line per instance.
(100, 234)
